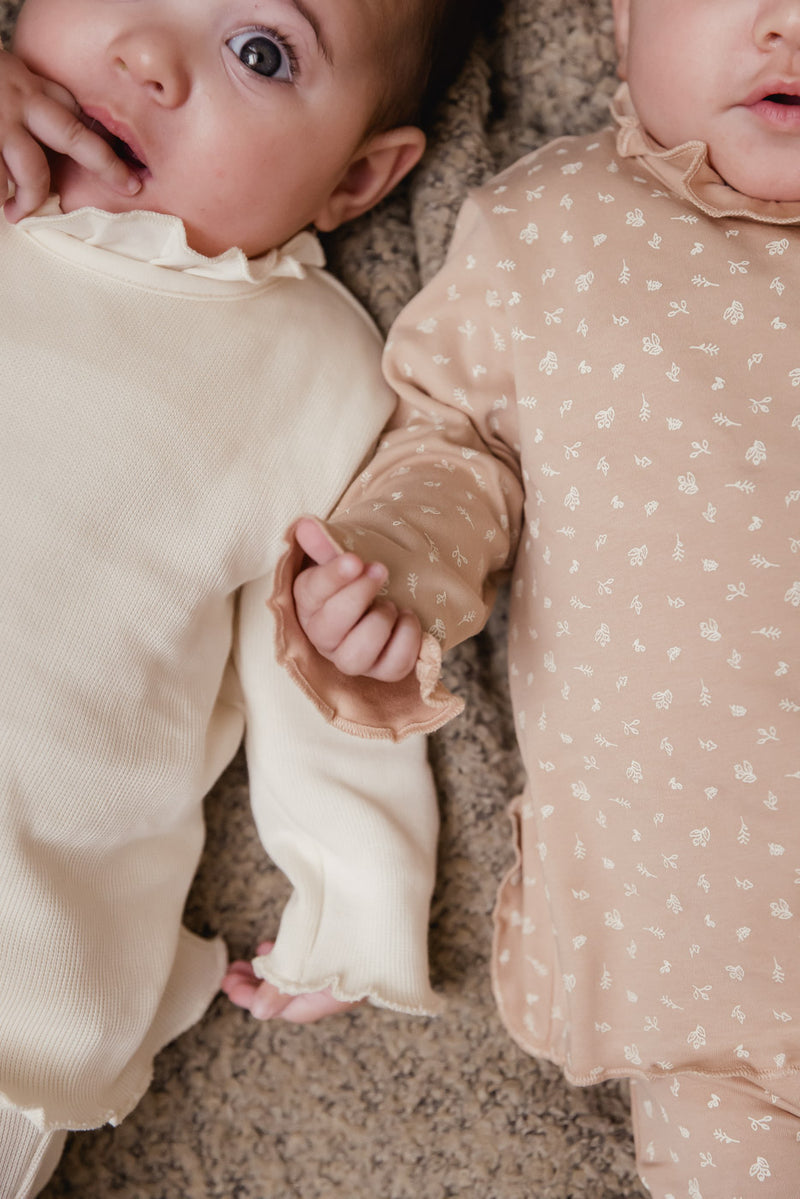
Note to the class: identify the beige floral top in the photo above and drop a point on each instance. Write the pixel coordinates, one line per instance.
(601, 393)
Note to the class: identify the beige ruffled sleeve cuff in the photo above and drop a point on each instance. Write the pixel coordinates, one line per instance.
(363, 707)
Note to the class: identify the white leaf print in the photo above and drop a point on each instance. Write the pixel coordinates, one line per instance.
(697, 1038)
(744, 772)
(734, 313)
(604, 418)
(709, 630)
(781, 910)
(701, 281)
(634, 772)
(652, 345)
(760, 1169)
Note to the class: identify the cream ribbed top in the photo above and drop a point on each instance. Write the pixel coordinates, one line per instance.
(163, 419)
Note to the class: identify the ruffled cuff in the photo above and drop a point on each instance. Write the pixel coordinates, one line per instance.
(405, 989)
(366, 708)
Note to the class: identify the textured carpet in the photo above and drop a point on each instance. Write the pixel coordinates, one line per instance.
(374, 1105)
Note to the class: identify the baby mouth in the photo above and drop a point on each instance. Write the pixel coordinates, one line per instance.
(121, 148)
(783, 98)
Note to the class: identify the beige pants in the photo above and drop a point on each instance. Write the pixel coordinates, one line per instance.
(717, 1138)
(27, 1157)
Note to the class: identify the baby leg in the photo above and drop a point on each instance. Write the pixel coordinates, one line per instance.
(717, 1138)
(27, 1157)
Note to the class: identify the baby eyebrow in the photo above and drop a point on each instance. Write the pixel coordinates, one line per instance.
(309, 16)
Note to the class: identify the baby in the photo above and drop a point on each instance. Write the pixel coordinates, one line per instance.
(182, 380)
(599, 395)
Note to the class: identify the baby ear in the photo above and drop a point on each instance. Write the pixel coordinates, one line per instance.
(622, 18)
(378, 166)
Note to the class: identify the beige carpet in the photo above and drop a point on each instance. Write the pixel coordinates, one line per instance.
(374, 1105)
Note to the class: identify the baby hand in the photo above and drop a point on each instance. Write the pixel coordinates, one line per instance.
(265, 1001)
(37, 114)
(338, 610)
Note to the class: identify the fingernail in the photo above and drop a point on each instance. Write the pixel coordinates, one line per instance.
(133, 185)
(377, 571)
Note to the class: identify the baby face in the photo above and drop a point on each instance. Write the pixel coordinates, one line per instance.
(240, 116)
(726, 72)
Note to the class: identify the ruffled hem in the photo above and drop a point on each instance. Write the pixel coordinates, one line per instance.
(433, 1005)
(686, 171)
(159, 239)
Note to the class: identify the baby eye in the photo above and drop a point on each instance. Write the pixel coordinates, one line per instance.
(265, 53)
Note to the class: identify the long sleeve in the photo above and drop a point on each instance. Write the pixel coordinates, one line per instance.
(441, 502)
(352, 824)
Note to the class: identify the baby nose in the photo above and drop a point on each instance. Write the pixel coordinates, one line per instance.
(778, 23)
(154, 63)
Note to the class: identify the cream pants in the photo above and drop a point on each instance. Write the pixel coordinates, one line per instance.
(27, 1157)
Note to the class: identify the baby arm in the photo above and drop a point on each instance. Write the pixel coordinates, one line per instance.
(37, 115)
(352, 825)
(433, 521)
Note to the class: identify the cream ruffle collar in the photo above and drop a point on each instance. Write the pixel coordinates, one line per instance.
(687, 172)
(156, 239)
